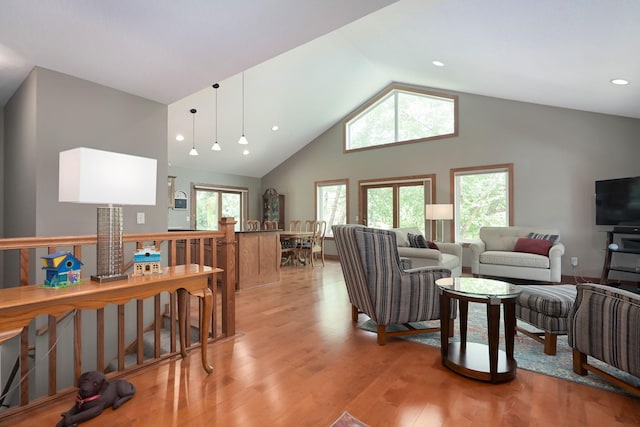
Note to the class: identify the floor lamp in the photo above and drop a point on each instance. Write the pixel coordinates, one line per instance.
(439, 213)
(102, 177)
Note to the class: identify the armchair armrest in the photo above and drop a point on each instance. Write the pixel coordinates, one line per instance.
(477, 247)
(419, 253)
(556, 251)
(451, 248)
(555, 262)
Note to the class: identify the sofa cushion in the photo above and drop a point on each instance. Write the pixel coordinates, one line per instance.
(517, 259)
(401, 236)
(533, 246)
(499, 241)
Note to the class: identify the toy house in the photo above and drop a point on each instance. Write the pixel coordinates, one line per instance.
(146, 261)
(62, 269)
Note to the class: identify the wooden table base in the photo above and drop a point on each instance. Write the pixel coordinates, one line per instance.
(479, 361)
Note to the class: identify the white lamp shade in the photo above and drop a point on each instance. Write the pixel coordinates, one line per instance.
(438, 211)
(102, 177)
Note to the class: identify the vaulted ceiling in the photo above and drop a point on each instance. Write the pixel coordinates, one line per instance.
(309, 63)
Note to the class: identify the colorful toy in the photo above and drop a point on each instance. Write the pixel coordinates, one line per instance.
(63, 269)
(146, 261)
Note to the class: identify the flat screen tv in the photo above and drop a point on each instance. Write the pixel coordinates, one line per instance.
(618, 202)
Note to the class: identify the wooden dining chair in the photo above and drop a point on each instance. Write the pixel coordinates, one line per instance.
(288, 244)
(294, 225)
(271, 225)
(253, 225)
(318, 241)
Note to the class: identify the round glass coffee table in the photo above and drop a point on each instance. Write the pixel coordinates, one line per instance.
(476, 360)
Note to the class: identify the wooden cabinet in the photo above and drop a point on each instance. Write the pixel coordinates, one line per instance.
(273, 207)
(257, 258)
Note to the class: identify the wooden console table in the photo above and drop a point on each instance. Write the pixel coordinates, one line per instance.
(20, 305)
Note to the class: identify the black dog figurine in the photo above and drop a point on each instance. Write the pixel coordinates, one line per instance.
(96, 393)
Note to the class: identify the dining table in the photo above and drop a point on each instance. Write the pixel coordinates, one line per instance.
(291, 243)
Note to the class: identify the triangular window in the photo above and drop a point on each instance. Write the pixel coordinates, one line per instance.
(401, 115)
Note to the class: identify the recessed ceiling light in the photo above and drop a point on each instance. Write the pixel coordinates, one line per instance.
(274, 128)
(179, 137)
(438, 63)
(245, 152)
(620, 82)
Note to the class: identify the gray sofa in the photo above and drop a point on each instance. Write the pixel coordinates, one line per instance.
(448, 255)
(495, 255)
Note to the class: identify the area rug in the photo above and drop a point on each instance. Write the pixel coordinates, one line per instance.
(528, 353)
(348, 420)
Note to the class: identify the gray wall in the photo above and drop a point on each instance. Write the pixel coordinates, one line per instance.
(557, 155)
(20, 167)
(185, 177)
(52, 112)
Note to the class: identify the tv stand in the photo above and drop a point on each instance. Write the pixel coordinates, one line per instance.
(607, 268)
(627, 229)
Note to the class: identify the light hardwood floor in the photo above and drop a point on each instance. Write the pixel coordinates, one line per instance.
(298, 360)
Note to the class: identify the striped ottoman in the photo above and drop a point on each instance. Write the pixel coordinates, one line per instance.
(546, 307)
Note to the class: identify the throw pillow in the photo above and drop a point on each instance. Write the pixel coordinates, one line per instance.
(552, 237)
(533, 246)
(416, 240)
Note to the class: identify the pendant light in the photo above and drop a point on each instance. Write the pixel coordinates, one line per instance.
(216, 146)
(243, 139)
(193, 151)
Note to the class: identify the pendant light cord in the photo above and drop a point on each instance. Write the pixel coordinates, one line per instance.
(193, 134)
(243, 103)
(216, 87)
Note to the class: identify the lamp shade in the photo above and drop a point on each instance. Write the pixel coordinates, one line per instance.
(102, 177)
(438, 211)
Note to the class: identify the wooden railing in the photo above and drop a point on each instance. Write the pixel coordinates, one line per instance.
(212, 248)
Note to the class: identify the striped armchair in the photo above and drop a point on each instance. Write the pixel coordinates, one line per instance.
(380, 288)
(605, 324)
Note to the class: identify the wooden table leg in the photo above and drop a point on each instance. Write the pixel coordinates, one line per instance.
(464, 310)
(493, 320)
(509, 327)
(182, 320)
(445, 324)
(205, 323)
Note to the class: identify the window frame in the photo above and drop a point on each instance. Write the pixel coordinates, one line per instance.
(395, 87)
(244, 202)
(329, 183)
(476, 170)
(395, 183)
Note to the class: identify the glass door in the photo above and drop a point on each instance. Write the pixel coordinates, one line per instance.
(395, 204)
(211, 204)
(206, 210)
